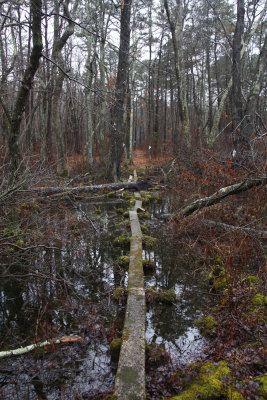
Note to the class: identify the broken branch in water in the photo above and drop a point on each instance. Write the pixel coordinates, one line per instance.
(27, 349)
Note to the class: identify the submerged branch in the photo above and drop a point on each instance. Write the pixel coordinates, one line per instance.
(27, 349)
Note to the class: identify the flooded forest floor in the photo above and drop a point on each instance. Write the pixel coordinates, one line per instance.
(64, 272)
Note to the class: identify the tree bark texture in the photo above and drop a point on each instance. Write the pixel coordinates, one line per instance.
(139, 185)
(216, 121)
(117, 125)
(249, 123)
(16, 117)
(221, 194)
(58, 78)
(237, 106)
(177, 42)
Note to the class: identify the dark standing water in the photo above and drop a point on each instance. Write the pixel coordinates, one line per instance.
(68, 291)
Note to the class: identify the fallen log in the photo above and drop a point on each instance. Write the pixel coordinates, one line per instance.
(46, 191)
(221, 194)
(27, 349)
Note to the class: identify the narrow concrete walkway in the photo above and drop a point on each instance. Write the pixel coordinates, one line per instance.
(130, 378)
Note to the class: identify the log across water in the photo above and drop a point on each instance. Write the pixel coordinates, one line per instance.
(130, 377)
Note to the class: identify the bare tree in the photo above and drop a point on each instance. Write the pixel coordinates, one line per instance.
(237, 106)
(115, 153)
(14, 117)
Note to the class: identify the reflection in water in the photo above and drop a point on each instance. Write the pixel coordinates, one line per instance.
(174, 325)
(57, 292)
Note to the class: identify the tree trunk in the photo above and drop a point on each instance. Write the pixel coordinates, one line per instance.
(15, 118)
(216, 121)
(115, 153)
(237, 106)
(58, 78)
(249, 124)
(176, 33)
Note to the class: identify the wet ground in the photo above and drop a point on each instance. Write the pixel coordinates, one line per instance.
(67, 290)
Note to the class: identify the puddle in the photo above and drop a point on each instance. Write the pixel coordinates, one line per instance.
(58, 292)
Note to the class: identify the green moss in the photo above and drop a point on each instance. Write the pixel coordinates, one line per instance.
(233, 394)
(144, 215)
(262, 380)
(119, 210)
(259, 300)
(207, 325)
(115, 347)
(128, 196)
(123, 261)
(111, 194)
(12, 232)
(132, 202)
(220, 284)
(146, 199)
(252, 280)
(126, 223)
(195, 196)
(126, 214)
(98, 210)
(167, 296)
(144, 228)
(210, 384)
(126, 334)
(148, 241)
(121, 241)
(217, 275)
(111, 397)
(119, 294)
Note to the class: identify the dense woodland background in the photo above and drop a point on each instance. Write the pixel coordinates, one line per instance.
(84, 79)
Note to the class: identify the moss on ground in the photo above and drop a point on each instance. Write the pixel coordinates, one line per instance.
(122, 241)
(212, 383)
(123, 261)
(119, 294)
(144, 215)
(115, 347)
(207, 325)
(144, 228)
(148, 241)
(162, 296)
(217, 276)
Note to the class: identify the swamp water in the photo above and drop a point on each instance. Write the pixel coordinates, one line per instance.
(68, 290)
